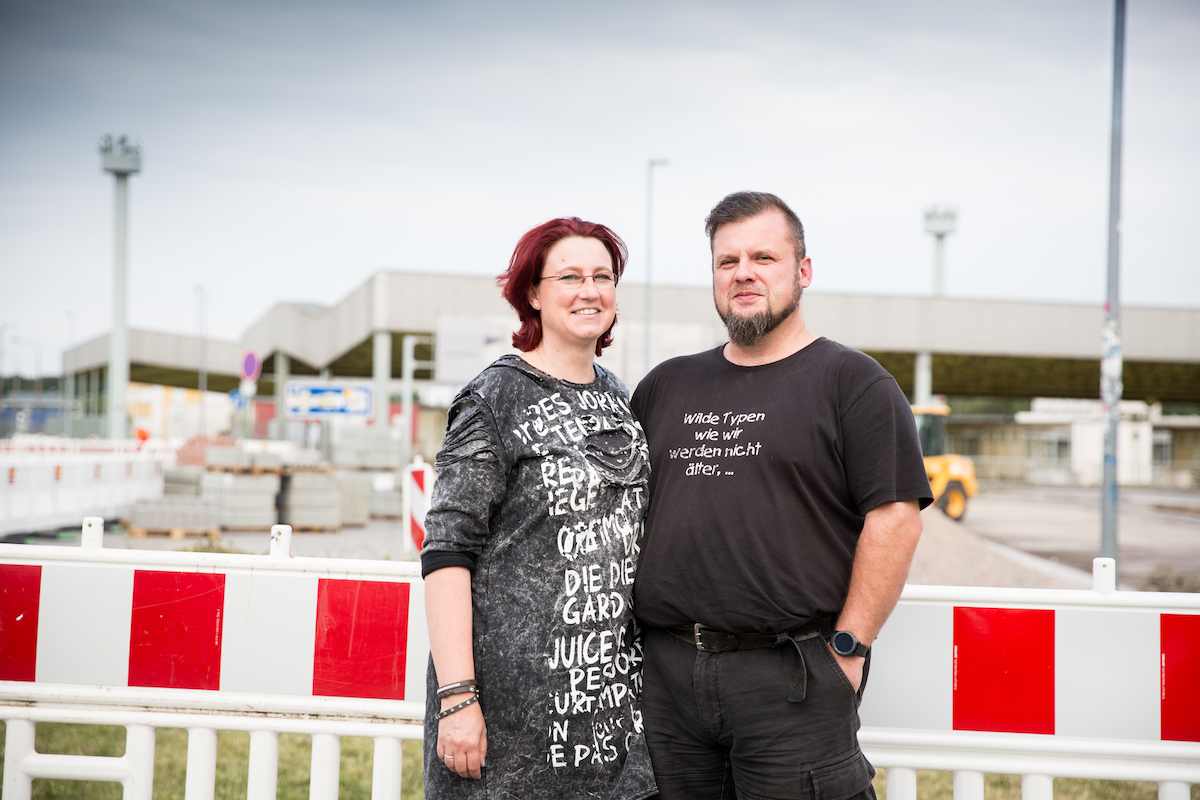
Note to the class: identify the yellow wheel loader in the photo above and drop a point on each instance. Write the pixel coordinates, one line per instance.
(951, 477)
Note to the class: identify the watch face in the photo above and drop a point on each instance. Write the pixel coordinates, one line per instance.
(843, 643)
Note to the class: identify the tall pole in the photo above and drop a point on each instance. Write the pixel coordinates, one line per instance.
(118, 343)
(1110, 362)
(121, 159)
(650, 165)
(68, 384)
(202, 377)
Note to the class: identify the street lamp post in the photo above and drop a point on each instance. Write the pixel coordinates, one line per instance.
(122, 158)
(939, 222)
(650, 165)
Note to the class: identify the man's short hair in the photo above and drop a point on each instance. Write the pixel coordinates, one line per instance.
(744, 205)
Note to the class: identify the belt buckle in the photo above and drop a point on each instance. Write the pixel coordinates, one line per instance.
(698, 636)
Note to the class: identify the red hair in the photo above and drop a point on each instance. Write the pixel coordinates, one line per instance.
(525, 270)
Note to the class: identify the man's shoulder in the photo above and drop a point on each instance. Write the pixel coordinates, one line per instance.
(851, 363)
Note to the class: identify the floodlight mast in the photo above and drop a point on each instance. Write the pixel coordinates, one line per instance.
(122, 158)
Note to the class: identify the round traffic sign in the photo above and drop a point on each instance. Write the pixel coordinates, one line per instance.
(251, 366)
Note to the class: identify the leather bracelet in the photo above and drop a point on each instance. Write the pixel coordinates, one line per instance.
(458, 687)
(472, 699)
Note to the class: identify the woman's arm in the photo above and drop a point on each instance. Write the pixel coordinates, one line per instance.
(462, 736)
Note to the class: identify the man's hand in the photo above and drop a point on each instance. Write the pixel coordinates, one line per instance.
(885, 549)
(851, 665)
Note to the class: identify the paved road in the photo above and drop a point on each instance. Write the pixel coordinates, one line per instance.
(1015, 536)
(1154, 528)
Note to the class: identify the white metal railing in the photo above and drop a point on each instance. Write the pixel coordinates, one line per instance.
(204, 713)
(901, 750)
(141, 712)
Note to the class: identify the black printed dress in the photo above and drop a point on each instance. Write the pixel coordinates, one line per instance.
(542, 486)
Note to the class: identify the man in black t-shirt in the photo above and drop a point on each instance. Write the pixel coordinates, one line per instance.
(784, 511)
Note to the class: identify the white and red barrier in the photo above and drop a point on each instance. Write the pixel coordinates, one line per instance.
(417, 491)
(48, 482)
(1112, 665)
(208, 621)
(1039, 683)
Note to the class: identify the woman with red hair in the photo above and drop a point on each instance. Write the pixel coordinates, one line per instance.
(532, 539)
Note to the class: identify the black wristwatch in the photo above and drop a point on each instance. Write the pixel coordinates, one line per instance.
(845, 643)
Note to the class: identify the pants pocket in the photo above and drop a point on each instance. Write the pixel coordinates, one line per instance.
(843, 779)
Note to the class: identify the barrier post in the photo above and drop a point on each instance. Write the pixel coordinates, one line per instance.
(263, 780)
(901, 783)
(416, 492)
(326, 764)
(201, 780)
(139, 757)
(386, 769)
(1037, 787)
(18, 745)
(968, 785)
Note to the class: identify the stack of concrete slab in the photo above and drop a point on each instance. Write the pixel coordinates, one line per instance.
(303, 460)
(180, 511)
(366, 448)
(388, 504)
(178, 515)
(310, 501)
(183, 481)
(244, 502)
(231, 458)
(235, 459)
(354, 494)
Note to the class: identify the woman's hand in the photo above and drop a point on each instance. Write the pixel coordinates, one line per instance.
(462, 738)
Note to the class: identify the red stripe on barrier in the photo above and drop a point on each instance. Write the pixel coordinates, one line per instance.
(20, 599)
(175, 633)
(362, 639)
(1180, 687)
(1003, 670)
(419, 478)
(418, 533)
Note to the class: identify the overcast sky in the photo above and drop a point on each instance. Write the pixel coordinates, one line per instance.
(296, 148)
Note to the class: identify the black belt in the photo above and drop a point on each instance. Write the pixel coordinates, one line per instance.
(710, 640)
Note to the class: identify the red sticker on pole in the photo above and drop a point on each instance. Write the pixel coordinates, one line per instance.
(1004, 670)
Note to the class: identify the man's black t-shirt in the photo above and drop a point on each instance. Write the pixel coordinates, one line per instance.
(762, 477)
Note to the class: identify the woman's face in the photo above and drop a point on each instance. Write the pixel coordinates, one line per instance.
(577, 294)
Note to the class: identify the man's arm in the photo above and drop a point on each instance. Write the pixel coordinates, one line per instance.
(885, 551)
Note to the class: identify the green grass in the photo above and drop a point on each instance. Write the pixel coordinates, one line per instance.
(233, 753)
(940, 786)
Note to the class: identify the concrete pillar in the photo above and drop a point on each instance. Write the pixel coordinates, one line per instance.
(381, 372)
(282, 367)
(326, 445)
(923, 379)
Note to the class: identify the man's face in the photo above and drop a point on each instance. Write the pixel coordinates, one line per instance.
(757, 281)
